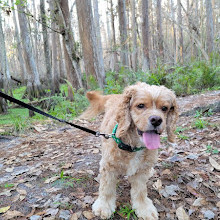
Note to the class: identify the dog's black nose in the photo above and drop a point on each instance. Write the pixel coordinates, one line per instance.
(155, 120)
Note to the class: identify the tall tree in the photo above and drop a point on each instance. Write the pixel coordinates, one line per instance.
(145, 36)
(36, 43)
(134, 36)
(173, 31)
(98, 36)
(88, 40)
(4, 67)
(54, 40)
(19, 48)
(114, 47)
(72, 58)
(46, 43)
(209, 27)
(62, 66)
(180, 32)
(34, 87)
(123, 32)
(159, 29)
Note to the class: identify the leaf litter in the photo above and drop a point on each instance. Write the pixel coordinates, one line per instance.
(52, 172)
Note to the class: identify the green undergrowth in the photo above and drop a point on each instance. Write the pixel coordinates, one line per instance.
(191, 78)
(186, 79)
(17, 119)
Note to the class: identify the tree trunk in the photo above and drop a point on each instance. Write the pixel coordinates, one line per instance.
(145, 36)
(134, 37)
(180, 32)
(115, 62)
(36, 43)
(159, 30)
(209, 27)
(34, 88)
(19, 48)
(173, 32)
(4, 67)
(54, 40)
(3, 105)
(98, 37)
(46, 44)
(109, 44)
(61, 59)
(71, 57)
(123, 32)
(88, 40)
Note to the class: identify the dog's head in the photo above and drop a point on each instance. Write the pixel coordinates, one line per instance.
(151, 109)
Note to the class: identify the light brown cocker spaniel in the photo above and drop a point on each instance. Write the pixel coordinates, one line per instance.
(138, 117)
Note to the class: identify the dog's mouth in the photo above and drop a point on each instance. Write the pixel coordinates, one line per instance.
(150, 138)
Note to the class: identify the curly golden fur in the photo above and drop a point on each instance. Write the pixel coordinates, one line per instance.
(133, 111)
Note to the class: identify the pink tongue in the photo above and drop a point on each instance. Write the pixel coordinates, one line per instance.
(151, 140)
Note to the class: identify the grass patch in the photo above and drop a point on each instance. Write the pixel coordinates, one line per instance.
(58, 106)
(211, 149)
(200, 124)
(127, 211)
(12, 115)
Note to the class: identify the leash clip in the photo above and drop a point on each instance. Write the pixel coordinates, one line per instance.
(106, 136)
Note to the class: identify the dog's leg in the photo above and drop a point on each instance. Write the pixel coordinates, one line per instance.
(143, 206)
(105, 205)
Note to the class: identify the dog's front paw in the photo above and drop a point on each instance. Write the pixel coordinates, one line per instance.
(103, 209)
(146, 211)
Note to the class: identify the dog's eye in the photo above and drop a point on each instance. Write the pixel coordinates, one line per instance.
(164, 108)
(172, 108)
(140, 106)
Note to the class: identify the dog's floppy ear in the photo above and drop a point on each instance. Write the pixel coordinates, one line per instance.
(123, 116)
(172, 117)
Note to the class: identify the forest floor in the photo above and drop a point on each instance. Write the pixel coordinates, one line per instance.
(51, 171)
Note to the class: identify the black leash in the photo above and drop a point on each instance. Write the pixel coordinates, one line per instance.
(11, 99)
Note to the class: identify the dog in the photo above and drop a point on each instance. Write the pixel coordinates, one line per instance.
(138, 117)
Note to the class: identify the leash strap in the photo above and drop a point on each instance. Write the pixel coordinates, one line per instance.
(11, 99)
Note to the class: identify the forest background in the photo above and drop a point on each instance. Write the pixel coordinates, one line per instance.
(52, 52)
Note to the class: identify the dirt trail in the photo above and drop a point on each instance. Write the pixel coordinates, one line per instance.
(51, 172)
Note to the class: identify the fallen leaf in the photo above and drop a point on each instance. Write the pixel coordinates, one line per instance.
(214, 163)
(67, 165)
(21, 191)
(4, 209)
(9, 170)
(52, 211)
(199, 202)
(208, 214)
(193, 191)
(170, 190)
(88, 199)
(12, 214)
(32, 212)
(181, 214)
(6, 193)
(76, 215)
(22, 197)
(41, 213)
(166, 172)
(52, 179)
(95, 151)
(91, 172)
(88, 214)
(158, 185)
